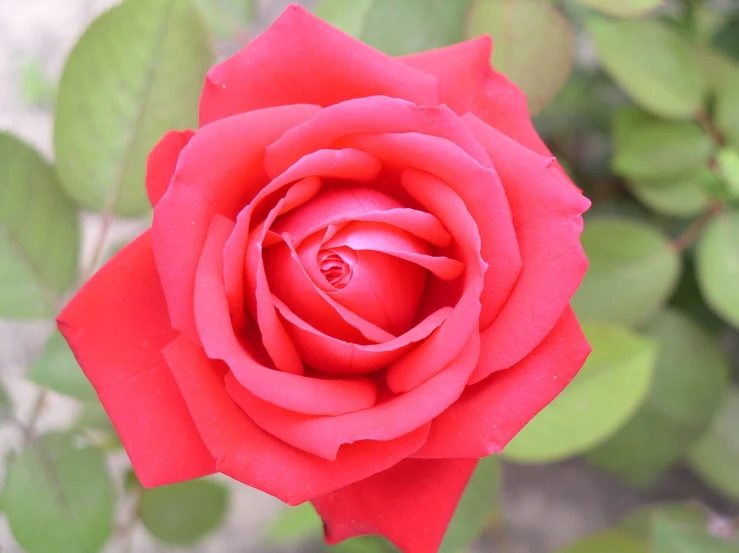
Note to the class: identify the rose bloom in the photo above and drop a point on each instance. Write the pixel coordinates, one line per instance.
(356, 283)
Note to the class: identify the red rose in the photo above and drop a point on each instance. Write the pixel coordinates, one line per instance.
(356, 284)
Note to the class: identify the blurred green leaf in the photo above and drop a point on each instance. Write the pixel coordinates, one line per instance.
(59, 497)
(36, 87)
(690, 379)
(95, 423)
(638, 522)
(474, 511)
(136, 73)
(670, 534)
(677, 197)
(611, 541)
(622, 8)
(688, 298)
(652, 63)
(662, 150)
(728, 167)
(398, 28)
(39, 233)
(534, 44)
(727, 37)
(228, 17)
(726, 109)
(183, 513)
(295, 524)
(367, 544)
(633, 271)
(6, 404)
(605, 394)
(58, 370)
(716, 456)
(717, 265)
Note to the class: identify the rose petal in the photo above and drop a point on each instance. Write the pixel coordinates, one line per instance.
(162, 160)
(332, 355)
(343, 164)
(291, 391)
(301, 59)
(411, 504)
(548, 231)
(117, 325)
(396, 416)
(378, 114)
(219, 169)
(490, 413)
(479, 188)
(250, 455)
(431, 356)
(289, 282)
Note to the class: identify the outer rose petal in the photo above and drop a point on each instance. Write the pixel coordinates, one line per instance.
(301, 59)
(160, 165)
(467, 83)
(548, 232)
(489, 414)
(411, 504)
(249, 454)
(219, 170)
(117, 325)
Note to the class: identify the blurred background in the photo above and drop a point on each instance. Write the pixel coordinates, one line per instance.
(639, 100)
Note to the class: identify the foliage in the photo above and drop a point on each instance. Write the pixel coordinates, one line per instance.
(638, 99)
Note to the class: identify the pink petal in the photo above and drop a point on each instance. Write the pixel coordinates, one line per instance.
(252, 456)
(396, 416)
(411, 504)
(291, 391)
(301, 59)
(117, 325)
(162, 160)
(548, 232)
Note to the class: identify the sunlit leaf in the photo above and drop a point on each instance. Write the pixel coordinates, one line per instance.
(652, 63)
(690, 380)
(295, 524)
(136, 73)
(39, 233)
(606, 393)
(633, 270)
(183, 513)
(717, 265)
(607, 542)
(59, 497)
(534, 44)
(669, 534)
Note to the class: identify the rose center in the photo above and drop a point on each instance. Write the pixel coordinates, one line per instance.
(334, 268)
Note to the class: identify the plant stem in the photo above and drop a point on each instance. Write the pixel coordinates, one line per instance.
(695, 230)
(97, 251)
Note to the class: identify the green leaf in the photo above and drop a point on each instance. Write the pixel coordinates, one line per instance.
(479, 501)
(662, 150)
(652, 63)
(6, 404)
(678, 197)
(39, 233)
(183, 513)
(534, 44)
(58, 370)
(716, 456)
(638, 523)
(611, 541)
(669, 534)
(622, 8)
(228, 17)
(726, 108)
(136, 73)
(295, 524)
(728, 167)
(398, 28)
(691, 377)
(97, 426)
(717, 266)
(727, 38)
(633, 271)
(59, 497)
(605, 394)
(368, 544)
